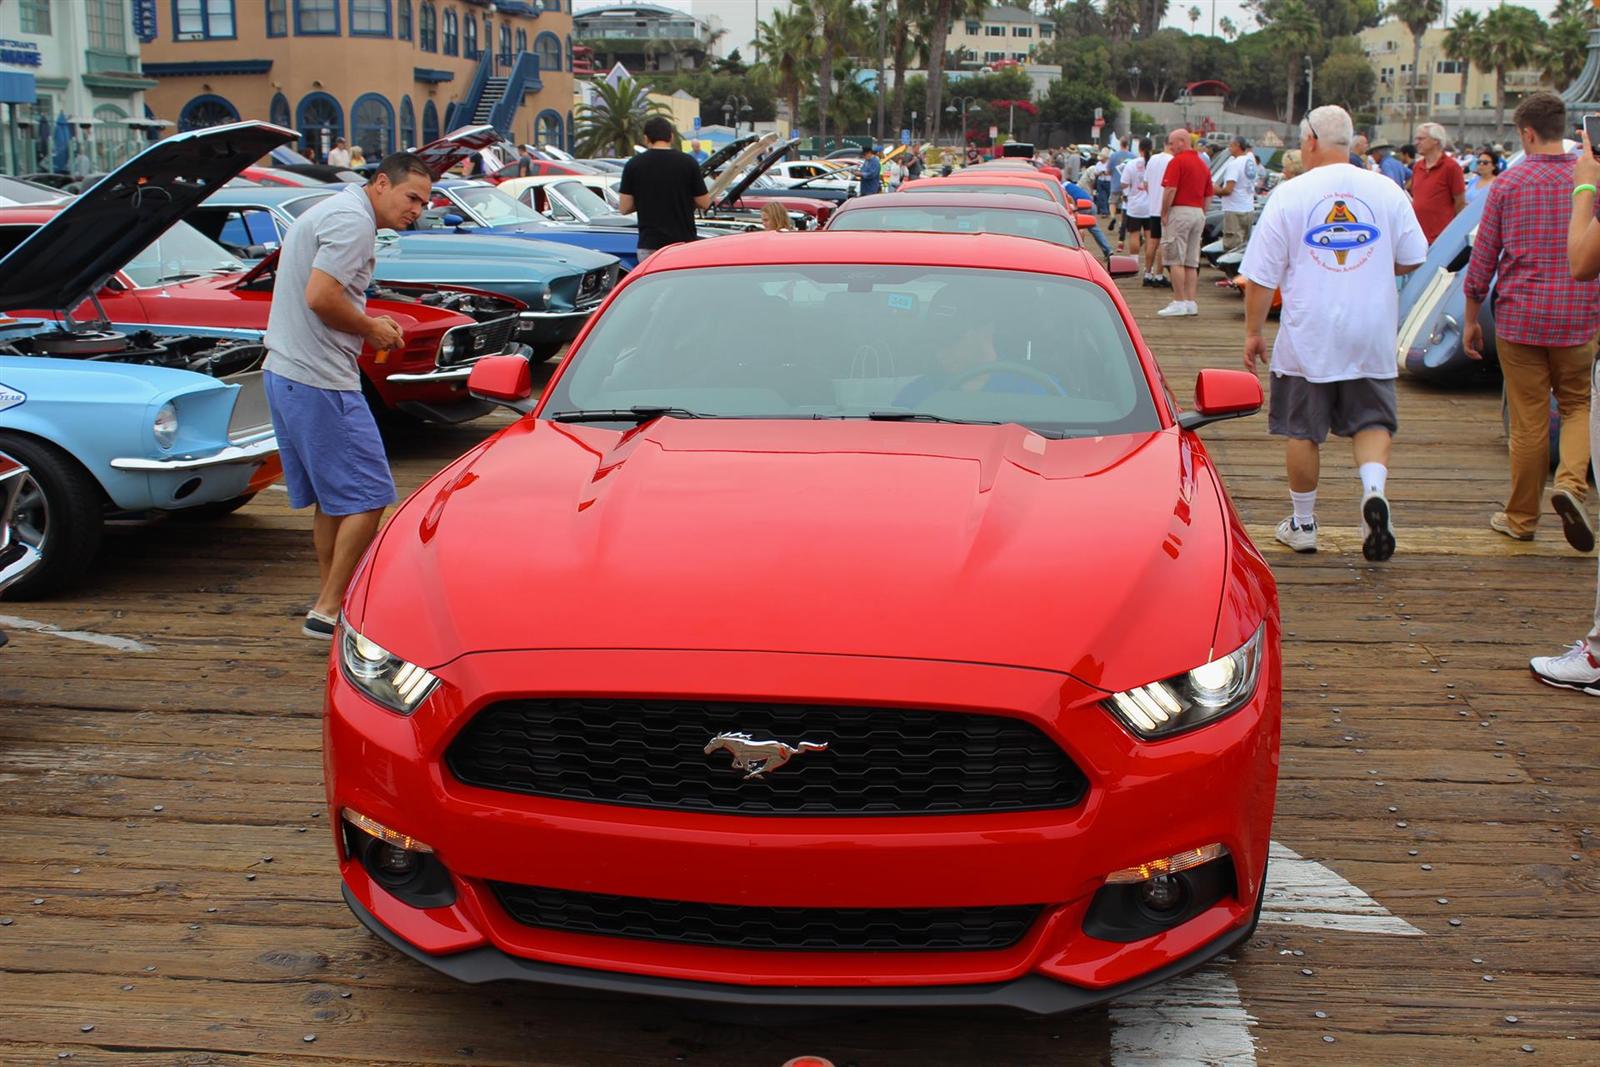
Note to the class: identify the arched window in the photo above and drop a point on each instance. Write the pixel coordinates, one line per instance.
(522, 41)
(115, 142)
(403, 20)
(548, 45)
(427, 27)
(430, 123)
(320, 119)
(469, 36)
(505, 43)
(451, 47)
(206, 110)
(372, 125)
(278, 113)
(408, 125)
(547, 130)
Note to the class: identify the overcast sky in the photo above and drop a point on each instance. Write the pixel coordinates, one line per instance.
(739, 16)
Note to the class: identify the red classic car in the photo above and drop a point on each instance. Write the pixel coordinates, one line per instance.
(899, 646)
(184, 279)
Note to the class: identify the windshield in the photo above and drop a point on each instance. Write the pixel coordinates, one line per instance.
(14, 191)
(584, 199)
(830, 341)
(1039, 225)
(296, 208)
(494, 207)
(1029, 189)
(182, 252)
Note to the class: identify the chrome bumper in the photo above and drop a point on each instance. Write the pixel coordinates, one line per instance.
(540, 316)
(255, 452)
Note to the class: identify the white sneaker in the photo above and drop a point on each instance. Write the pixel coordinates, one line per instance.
(1300, 538)
(1176, 309)
(1377, 535)
(1194, 308)
(1573, 669)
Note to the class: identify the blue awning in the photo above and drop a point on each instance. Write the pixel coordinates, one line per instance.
(17, 88)
(209, 68)
(427, 74)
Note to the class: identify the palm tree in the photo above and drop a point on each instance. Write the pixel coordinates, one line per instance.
(614, 123)
(1291, 32)
(1121, 17)
(943, 13)
(1194, 18)
(841, 31)
(1565, 48)
(1229, 30)
(1510, 42)
(1418, 15)
(1463, 42)
(905, 38)
(785, 39)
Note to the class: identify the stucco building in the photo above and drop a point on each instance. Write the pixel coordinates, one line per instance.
(385, 74)
(646, 36)
(999, 33)
(72, 60)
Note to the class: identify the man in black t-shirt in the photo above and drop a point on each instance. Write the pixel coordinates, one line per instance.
(664, 185)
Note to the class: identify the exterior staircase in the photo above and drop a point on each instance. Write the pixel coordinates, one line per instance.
(494, 90)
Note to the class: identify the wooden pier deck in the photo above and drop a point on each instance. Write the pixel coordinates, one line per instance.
(167, 891)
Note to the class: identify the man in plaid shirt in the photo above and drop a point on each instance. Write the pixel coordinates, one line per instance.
(1544, 322)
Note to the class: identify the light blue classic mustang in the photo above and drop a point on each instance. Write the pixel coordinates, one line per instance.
(115, 423)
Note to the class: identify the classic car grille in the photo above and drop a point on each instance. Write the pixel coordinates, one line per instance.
(484, 339)
(652, 753)
(596, 284)
(734, 926)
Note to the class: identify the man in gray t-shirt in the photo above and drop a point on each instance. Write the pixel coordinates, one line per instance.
(333, 456)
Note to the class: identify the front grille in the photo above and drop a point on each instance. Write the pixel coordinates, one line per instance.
(484, 339)
(652, 753)
(792, 929)
(595, 284)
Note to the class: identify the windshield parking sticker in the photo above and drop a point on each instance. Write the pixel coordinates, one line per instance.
(902, 301)
(9, 397)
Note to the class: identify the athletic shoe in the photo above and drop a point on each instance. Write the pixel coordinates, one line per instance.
(1148, 282)
(1176, 309)
(1300, 538)
(1502, 525)
(1161, 281)
(1377, 536)
(319, 626)
(1574, 522)
(1194, 308)
(1573, 669)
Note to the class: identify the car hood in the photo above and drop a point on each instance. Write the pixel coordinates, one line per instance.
(439, 156)
(550, 230)
(1103, 558)
(491, 253)
(87, 241)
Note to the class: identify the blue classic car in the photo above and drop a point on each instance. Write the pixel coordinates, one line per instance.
(561, 284)
(111, 423)
(463, 205)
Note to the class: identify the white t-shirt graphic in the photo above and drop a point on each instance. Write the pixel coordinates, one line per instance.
(1136, 198)
(1330, 240)
(1241, 171)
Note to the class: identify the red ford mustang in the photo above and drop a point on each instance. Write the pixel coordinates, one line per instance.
(884, 639)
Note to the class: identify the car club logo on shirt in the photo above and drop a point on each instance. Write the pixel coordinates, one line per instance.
(1338, 225)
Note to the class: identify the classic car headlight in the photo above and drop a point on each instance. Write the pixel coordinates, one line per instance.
(1195, 697)
(447, 347)
(381, 675)
(166, 425)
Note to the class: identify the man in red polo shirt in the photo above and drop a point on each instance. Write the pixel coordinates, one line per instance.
(1438, 189)
(1185, 188)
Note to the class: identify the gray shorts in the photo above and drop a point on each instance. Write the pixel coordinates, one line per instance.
(1306, 410)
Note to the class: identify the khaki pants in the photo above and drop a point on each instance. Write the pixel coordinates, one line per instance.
(1532, 374)
(1236, 227)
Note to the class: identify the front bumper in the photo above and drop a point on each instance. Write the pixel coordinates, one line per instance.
(552, 327)
(1145, 800)
(252, 454)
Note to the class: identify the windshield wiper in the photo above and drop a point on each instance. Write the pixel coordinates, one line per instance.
(637, 414)
(181, 276)
(923, 416)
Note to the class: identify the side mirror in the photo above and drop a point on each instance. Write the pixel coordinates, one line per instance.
(256, 252)
(1222, 394)
(1124, 266)
(1085, 205)
(454, 219)
(1086, 222)
(508, 381)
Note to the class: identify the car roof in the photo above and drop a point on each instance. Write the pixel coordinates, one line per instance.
(986, 177)
(975, 251)
(954, 198)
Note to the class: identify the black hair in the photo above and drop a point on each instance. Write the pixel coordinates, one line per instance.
(657, 128)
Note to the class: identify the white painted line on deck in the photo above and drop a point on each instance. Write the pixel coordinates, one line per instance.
(278, 487)
(1301, 892)
(116, 644)
(1194, 1020)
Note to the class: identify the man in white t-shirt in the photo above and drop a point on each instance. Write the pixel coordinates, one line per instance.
(1236, 185)
(1135, 198)
(1332, 241)
(339, 154)
(1154, 171)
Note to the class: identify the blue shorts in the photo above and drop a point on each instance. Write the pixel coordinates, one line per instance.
(332, 454)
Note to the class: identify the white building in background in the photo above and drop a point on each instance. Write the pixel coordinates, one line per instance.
(78, 59)
(737, 17)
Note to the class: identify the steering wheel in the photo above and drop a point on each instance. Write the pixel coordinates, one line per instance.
(1033, 374)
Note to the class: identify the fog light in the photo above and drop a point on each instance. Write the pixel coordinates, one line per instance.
(1161, 893)
(394, 861)
(1144, 872)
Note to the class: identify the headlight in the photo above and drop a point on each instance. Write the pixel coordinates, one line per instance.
(166, 425)
(447, 347)
(381, 675)
(1194, 698)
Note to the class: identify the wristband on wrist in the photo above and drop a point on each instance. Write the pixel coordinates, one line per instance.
(1584, 188)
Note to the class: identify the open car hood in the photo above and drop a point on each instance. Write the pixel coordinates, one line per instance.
(439, 156)
(763, 165)
(67, 258)
(727, 152)
(740, 162)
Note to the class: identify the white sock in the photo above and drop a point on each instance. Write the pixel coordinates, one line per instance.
(1374, 476)
(1305, 507)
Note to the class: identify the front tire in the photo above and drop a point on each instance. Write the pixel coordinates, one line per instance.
(60, 512)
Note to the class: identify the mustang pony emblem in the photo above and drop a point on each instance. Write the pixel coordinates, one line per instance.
(759, 757)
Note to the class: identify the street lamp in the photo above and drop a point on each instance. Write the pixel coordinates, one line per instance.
(741, 105)
(1311, 83)
(962, 104)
